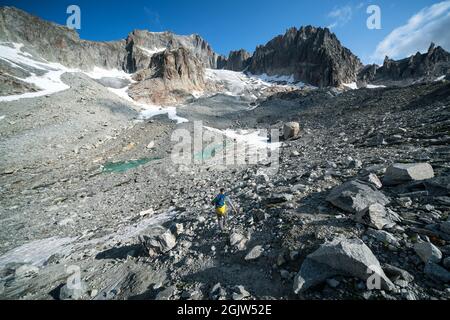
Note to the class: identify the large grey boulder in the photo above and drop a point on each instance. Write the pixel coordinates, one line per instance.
(238, 241)
(445, 227)
(161, 242)
(254, 253)
(348, 257)
(396, 273)
(355, 196)
(401, 173)
(428, 252)
(375, 216)
(436, 272)
(291, 130)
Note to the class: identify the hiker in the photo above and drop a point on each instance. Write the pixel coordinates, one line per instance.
(221, 201)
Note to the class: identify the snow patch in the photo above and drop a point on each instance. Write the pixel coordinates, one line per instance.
(373, 86)
(99, 73)
(151, 52)
(352, 85)
(2, 117)
(440, 78)
(50, 82)
(252, 138)
(37, 252)
(150, 111)
(265, 77)
(241, 84)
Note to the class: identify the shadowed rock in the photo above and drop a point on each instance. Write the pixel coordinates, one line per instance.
(348, 257)
(355, 196)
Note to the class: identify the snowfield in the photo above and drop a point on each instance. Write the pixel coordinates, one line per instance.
(50, 82)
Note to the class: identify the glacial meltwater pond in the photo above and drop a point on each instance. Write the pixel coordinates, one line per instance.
(122, 166)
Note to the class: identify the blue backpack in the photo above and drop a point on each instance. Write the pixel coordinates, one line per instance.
(219, 201)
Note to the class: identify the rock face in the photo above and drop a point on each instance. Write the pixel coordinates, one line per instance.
(130, 55)
(171, 78)
(142, 44)
(428, 66)
(312, 55)
(401, 173)
(355, 196)
(237, 61)
(12, 85)
(67, 48)
(348, 257)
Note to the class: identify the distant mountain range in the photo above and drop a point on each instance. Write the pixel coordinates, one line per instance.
(167, 61)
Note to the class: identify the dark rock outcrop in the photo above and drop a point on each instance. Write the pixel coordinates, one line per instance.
(419, 67)
(141, 44)
(171, 78)
(237, 61)
(312, 55)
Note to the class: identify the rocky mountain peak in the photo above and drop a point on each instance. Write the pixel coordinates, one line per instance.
(311, 54)
(419, 67)
(171, 77)
(237, 61)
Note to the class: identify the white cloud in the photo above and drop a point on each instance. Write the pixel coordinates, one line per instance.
(430, 24)
(340, 16)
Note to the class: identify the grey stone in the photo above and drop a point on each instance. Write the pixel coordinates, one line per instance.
(383, 236)
(26, 271)
(355, 196)
(166, 294)
(374, 216)
(254, 253)
(240, 293)
(259, 215)
(159, 242)
(291, 130)
(348, 257)
(395, 273)
(373, 179)
(445, 227)
(436, 272)
(446, 263)
(401, 173)
(279, 198)
(333, 283)
(238, 241)
(428, 252)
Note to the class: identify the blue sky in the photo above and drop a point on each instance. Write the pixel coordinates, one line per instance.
(232, 24)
